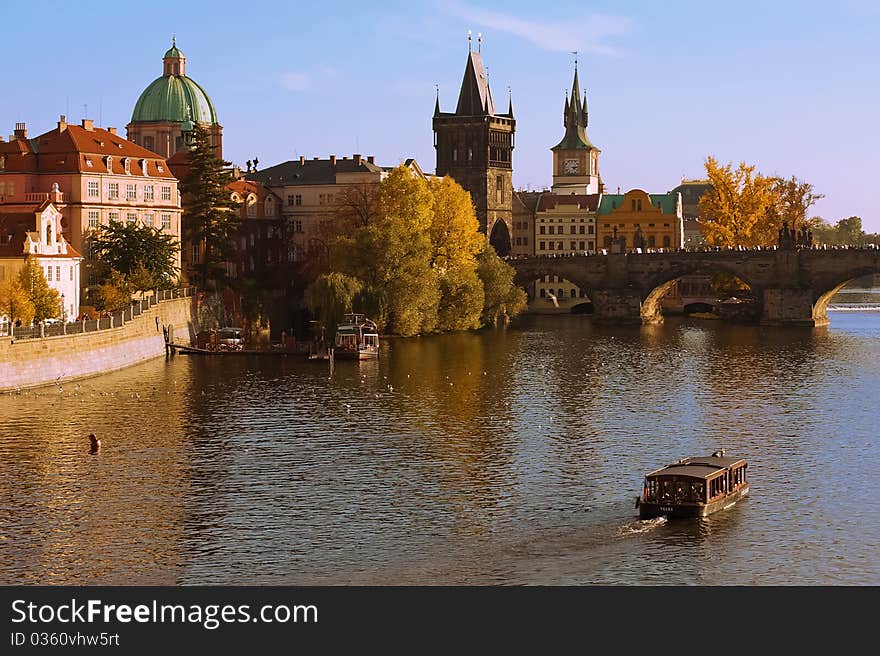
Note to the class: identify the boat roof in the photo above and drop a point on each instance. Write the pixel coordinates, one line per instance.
(698, 466)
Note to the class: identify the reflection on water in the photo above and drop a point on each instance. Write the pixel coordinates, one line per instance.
(499, 457)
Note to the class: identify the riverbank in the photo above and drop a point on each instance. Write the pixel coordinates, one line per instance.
(26, 363)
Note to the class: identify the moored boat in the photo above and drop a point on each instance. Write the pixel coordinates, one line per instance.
(357, 338)
(694, 487)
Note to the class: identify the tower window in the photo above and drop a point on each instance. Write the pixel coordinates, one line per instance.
(499, 189)
(455, 154)
(470, 154)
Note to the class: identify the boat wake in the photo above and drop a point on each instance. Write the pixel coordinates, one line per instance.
(641, 526)
(853, 307)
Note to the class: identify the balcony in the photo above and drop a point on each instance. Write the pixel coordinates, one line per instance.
(39, 197)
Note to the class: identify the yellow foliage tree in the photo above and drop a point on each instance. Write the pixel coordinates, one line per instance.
(455, 231)
(15, 303)
(735, 210)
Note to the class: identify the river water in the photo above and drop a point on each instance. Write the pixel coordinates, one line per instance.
(483, 458)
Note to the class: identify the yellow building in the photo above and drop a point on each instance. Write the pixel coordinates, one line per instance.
(637, 219)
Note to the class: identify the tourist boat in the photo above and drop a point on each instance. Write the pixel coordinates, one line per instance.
(357, 338)
(694, 487)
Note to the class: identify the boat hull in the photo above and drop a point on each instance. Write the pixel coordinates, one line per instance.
(355, 355)
(650, 510)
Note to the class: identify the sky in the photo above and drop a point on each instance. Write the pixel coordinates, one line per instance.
(791, 87)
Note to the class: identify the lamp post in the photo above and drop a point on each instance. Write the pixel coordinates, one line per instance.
(63, 315)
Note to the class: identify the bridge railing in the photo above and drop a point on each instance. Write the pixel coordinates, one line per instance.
(55, 328)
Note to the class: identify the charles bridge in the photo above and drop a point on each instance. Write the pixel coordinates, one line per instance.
(790, 287)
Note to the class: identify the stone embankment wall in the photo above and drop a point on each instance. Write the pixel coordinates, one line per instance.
(33, 362)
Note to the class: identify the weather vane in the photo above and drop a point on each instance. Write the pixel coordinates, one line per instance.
(575, 53)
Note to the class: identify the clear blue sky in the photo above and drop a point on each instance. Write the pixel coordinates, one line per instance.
(789, 86)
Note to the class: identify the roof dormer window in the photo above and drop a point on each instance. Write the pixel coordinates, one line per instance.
(126, 164)
(143, 164)
(108, 160)
(161, 170)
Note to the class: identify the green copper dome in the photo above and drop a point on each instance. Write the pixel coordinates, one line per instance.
(174, 98)
(173, 52)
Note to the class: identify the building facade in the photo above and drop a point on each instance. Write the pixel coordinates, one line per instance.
(168, 107)
(474, 146)
(92, 176)
(637, 219)
(37, 236)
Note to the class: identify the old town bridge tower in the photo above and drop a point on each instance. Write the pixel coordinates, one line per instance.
(475, 147)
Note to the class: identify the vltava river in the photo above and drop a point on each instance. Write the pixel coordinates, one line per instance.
(496, 457)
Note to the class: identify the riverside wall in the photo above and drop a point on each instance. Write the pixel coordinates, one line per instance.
(28, 363)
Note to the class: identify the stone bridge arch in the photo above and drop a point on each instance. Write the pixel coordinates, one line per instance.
(657, 286)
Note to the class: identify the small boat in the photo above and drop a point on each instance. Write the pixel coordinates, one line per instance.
(694, 487)
(357, 338)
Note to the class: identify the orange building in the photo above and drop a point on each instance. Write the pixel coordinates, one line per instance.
(637, 219)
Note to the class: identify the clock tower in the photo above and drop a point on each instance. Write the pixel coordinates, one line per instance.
(575, 158)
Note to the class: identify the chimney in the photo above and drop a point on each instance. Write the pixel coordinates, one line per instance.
(332, 160)
(88, 124)
(302, 160)
(111, 130)
(20, 131)
(371, 159)
(315, 159)
(357, 158)
(62, 123)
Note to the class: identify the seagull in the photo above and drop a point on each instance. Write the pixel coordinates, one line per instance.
(553, 298)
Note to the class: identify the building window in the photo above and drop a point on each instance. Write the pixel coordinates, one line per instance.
(58, 273)
(93, 189)
(178, 143)
(525, 241)
(543, 293)
(71, 273)
(290, 200)
(639, 205)
(166, 222)
(552, 229)
(195, 253)
(93, 218)
(583, 229)
(297, 226)
(48, 274)
(298, 199)
(148, 143)
(572, 230)
(541, 230)
(131, 218)
(130, 191)
(590, 230)
(113, 217)
(148, 220)
(551, 245)
(541, 246)
(652, 241)
(113, 190)
(572, 245)
(667, 242)
(581, 245)
(166, 193)
(148, 192)
(499, 189)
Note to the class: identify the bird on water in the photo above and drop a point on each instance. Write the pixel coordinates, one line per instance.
(95, 443)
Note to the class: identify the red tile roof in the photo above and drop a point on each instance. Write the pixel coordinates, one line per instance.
(76, 149)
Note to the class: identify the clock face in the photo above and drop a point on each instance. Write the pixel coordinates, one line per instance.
(570, 166)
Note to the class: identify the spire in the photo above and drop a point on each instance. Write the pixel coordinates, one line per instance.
(437, 101)
(509, 102)
(584, 110)
(565, 111)
(575, 118)
(475, 98)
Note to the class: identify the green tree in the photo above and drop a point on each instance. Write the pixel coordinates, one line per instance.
(46, 301)
(849, 231)
(143, 253)
(15, 303)
(503, 300)
(461, 299)
(210, 216)
(823, 232)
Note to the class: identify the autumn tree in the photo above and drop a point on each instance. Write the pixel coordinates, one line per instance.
(46, 300)
(735, 208)
(210, 216)
(114, 293)
(503, 299)
(15, 303)
(792, 199)
(331, 296)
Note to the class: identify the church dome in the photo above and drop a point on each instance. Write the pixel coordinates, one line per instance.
(174, 97)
